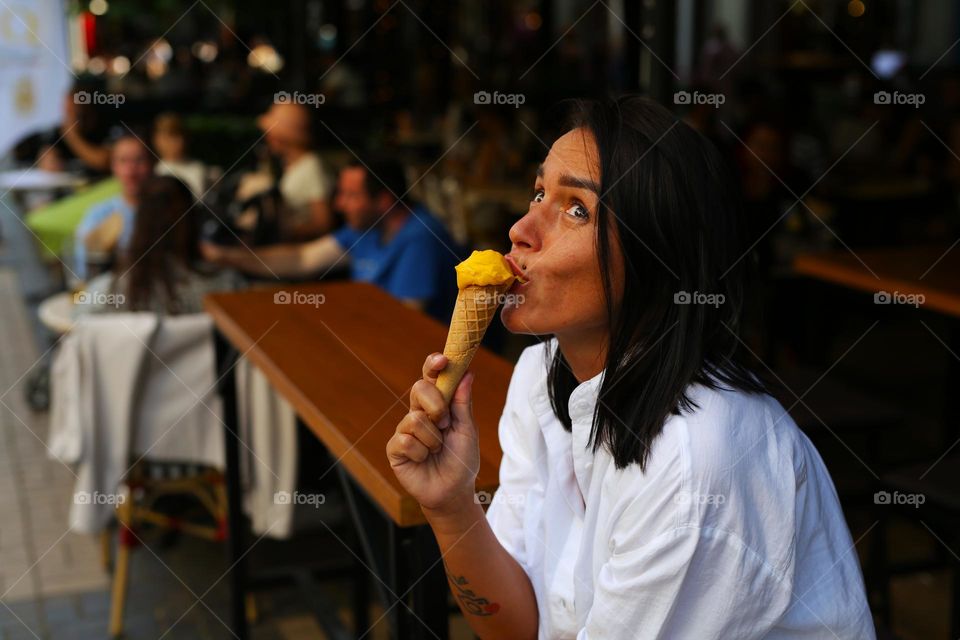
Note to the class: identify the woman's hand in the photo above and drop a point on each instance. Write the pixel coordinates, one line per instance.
(435, 451)
(213, 253)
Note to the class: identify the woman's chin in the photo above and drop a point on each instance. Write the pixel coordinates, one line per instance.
(516, 319)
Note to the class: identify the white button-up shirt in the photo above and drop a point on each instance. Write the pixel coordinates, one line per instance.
(733, 531)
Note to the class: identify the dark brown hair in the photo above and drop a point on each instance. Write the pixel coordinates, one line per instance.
(166, 235)
(680, 227)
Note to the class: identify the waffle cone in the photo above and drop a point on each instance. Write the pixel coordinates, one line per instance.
(472, 314)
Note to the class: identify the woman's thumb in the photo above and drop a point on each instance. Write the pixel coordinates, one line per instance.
(462, 404)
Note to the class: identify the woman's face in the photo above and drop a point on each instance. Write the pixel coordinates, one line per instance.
(554, 245)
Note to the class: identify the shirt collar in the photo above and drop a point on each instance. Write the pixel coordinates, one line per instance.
(582, 402)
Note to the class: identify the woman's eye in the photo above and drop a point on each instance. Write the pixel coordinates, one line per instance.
(579, 211)
(538, 196)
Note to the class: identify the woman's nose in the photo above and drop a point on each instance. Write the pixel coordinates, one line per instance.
(524, 233)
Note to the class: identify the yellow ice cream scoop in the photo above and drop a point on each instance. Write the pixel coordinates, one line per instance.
(483, 269)
(483, 279)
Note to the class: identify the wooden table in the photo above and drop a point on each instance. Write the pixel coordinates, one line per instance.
(931, 271)
(344, 356)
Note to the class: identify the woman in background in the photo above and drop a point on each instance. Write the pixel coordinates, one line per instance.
(173, 147)
(162, 270)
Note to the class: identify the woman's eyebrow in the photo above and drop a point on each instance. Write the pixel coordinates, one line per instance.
(567, 180)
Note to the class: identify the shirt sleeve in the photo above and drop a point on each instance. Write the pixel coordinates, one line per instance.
(518, 466)
(309, 181)
(346, 237)
(689, 582)
(93, 217)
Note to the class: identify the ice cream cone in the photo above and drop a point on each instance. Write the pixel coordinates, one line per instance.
(475, 308)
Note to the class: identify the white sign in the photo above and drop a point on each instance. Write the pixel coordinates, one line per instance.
(34, 68)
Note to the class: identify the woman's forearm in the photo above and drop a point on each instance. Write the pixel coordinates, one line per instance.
(286, 260)
(94, 156)
(490, 587)
(279, 261)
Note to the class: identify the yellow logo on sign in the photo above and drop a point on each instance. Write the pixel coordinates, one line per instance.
(24, 99)
(19, 25)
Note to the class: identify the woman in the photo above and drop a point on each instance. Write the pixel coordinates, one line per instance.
(171, 141)
(649, 488)
(162, 270)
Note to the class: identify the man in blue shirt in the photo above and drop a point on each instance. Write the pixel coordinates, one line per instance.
(131, 163)
(387, 240)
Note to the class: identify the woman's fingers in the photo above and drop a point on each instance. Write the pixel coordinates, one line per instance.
(210, 251)
(462, 403)
(433, 365)
(403, 447)
(424, 396)
(418, 425)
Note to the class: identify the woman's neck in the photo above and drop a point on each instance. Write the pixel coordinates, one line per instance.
(585, 352)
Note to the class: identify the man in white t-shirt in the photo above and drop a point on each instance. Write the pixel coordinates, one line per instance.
(304, 185)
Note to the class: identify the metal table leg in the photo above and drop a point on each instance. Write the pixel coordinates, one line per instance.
(236, 545)
(407, 560)
(430, 591)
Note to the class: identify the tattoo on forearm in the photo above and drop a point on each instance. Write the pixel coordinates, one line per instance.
(471, 602)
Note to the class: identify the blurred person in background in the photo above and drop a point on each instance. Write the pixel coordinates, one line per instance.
(172, 147)
(82, 131)
(108, 226)
(304, 186)
(162, 270)
(387, 240)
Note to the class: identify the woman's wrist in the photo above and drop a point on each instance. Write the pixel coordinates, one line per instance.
(454, 519)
